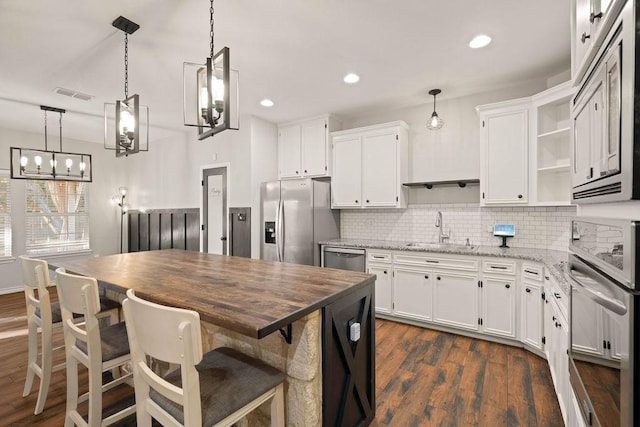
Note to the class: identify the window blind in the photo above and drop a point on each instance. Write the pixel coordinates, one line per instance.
(56, 217)
(5, 214)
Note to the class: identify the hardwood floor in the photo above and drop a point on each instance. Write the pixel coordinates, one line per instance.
(431, 378)
(423, 378)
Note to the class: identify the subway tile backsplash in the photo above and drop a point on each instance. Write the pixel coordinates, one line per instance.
(536, 227)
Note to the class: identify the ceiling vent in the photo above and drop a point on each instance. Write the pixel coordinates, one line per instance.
(72, 94)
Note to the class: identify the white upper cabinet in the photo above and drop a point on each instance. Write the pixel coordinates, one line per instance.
(346, 185)
(304, 149)
(591, 20)
(370, 166)
(504, 153)
(525, 150)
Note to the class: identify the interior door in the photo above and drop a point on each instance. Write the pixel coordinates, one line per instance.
(214, 210)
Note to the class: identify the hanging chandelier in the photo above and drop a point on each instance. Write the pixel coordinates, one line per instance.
(211, 91)
(28, 163)
(434, 122)
(124, 132)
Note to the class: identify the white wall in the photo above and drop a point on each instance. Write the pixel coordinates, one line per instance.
(108, 174)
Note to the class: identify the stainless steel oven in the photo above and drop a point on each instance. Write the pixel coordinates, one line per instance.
(605, 157)
(604, 358)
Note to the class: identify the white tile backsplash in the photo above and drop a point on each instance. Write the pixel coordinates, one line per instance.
(536, 227)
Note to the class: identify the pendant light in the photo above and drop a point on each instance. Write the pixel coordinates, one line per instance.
(434, 122)
(28, 163)
(130, 136)
(211, 91)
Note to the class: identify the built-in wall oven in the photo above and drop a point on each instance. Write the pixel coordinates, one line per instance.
(604, 358)
(605, 153)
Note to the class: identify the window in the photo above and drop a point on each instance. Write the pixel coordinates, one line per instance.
(5, 215)
(56, 217)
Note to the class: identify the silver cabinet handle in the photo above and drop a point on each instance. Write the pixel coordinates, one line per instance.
(584, 37)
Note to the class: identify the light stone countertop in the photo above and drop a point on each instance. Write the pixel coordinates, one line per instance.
(553, 260)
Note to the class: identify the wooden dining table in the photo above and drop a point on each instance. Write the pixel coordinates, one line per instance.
(242, 302)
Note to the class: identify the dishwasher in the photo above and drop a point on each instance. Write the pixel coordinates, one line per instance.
(344, 258)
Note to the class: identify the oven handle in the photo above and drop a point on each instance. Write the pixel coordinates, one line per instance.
(609, 303)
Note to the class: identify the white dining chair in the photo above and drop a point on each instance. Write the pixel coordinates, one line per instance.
(215, 389)
(44, 315)
(99, 350)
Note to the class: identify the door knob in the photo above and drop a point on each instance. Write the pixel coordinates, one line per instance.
(507, 286)
(519, 196)
(528, 290)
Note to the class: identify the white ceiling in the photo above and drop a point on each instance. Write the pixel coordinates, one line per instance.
(294, 52)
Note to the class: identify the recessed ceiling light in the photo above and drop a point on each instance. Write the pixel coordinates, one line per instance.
(479, 41)
(351, 78)
(266, 103)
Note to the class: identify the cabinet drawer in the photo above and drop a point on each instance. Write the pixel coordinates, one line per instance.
(532, 272)
(377, 256)
(437, 261)
(499, 266)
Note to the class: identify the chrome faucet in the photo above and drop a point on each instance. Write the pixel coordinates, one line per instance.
(441, 234)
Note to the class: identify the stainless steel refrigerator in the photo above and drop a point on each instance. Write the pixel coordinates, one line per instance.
(295, 216)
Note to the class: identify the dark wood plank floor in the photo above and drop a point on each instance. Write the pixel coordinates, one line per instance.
(430, 378)
(423, 378)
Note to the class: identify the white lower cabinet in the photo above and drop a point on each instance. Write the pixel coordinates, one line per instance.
(412, 293)
(499, 306)
(531, 306)
(382, 287)
(556, 333)
(455, 298)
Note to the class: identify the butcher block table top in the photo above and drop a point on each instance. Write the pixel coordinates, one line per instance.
(249, 296)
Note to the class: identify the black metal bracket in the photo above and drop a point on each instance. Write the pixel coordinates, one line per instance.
(288, 334)
(125, 25)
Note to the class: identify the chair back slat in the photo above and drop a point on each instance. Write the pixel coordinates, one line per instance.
(158, 332)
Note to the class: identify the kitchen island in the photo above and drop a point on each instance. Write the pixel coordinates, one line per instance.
(296, 318)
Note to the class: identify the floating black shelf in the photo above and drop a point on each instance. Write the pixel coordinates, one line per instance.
(429, 185)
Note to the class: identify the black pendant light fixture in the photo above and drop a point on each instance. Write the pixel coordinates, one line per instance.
(130, 135)
(211, 91)
(28, 163)
(434, 122)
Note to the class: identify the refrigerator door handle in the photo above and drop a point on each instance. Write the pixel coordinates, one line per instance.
(278, 256)
(280, 228)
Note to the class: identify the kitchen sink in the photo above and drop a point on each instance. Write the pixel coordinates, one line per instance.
(455, 246)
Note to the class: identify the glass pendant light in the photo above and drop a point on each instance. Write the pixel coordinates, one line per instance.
(434, 122)
(213, 106)
(126, 123)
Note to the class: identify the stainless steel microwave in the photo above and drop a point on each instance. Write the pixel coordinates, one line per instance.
(605, 155)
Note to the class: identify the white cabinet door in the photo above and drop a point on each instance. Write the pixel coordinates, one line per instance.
(582, 144)
(313, 144)
(382, 288)
(582, 37)
(412, 293)
(289, 151)
(346, 182)
(505, 153)
(379, 174)
(498, 307)
(587, 333)
(561, 362)
(455, 300)
(532, 315)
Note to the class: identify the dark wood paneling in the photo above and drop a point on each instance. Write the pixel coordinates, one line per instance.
(193, 231)
(143, 232)
(165, 231)
(179, 232)
(134, 245)
(154, 231)
(249, 296)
